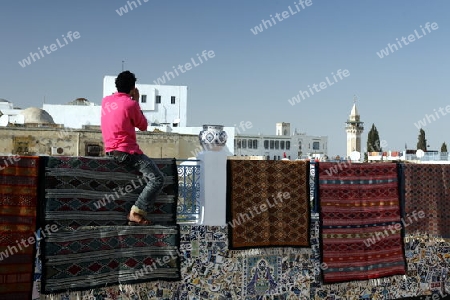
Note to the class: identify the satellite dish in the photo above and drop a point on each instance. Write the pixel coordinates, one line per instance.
(355, 155)
(420, 153)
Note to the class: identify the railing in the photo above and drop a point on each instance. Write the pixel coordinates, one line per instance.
(189, 208)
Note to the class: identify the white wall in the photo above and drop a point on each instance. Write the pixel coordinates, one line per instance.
(74, 116)
(6, 105)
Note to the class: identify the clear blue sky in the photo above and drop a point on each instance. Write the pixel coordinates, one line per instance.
(251, 76)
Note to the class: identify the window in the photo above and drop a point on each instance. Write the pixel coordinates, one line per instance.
(316, 146)
(282, 145)
(172, 100)
(266, 145)
(239, 144)
(288, 145)
(157, 99)
(255, 144)
(250, 145)
(277, 144)
(244, 144)
(143, 98)
(272, 144)
(299, 145)
(93, 150)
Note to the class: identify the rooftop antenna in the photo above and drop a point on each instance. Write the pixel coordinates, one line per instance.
(122, 64)
(355, 98)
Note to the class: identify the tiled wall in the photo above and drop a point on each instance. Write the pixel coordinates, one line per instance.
(210, 271)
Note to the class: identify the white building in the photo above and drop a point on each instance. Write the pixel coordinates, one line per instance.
(9, 114)
(281, 145)
(161, 104)
(75, 114)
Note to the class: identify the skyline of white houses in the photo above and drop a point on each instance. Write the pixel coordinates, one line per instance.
(281, 145)
(161, 104)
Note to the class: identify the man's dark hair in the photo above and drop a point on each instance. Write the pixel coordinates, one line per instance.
(125, 82)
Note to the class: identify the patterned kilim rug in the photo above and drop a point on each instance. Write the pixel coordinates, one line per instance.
(87, 245)
(104, 256)
(268, 203)
(361, 221)
(87, 191)
(427, 198)
(18, 201)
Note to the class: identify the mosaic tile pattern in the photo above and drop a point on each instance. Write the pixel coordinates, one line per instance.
(211, 271)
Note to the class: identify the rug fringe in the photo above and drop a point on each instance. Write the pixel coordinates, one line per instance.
(267, 251)
(369, 283)
(424, 237)
(69, 296)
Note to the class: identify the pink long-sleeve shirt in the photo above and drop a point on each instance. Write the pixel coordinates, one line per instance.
(120, 116)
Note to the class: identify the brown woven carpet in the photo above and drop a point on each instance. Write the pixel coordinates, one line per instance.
(268, 203)
(427, 199)
(18, 202)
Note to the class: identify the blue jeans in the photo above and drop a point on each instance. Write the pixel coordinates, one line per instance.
(150, 173)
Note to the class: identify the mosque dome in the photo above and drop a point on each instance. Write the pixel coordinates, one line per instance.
(34, 115)
(80, 101)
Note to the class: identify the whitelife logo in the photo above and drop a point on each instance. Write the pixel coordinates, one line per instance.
(432, 118)
(393, 229)
(244, 217)
(52, 48)
(124, 9)
(319, 87)
(187, 66)
(280, 17)
(411, 38)
(11, 250)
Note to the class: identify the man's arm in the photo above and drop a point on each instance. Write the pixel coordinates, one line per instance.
(140, 121)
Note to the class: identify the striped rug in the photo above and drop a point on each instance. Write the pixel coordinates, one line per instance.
(87, 200)
(103, 256)
(360, 221)
(88, 191)
(18, 201)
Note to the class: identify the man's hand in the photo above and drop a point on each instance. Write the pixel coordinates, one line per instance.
(134, 93)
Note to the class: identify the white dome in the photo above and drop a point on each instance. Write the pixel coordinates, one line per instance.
(34, 115)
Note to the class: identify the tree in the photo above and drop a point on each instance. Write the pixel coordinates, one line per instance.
(444, 147)
(373, 140)
(422, 142)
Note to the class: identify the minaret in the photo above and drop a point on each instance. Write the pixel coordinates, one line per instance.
(354, 129)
